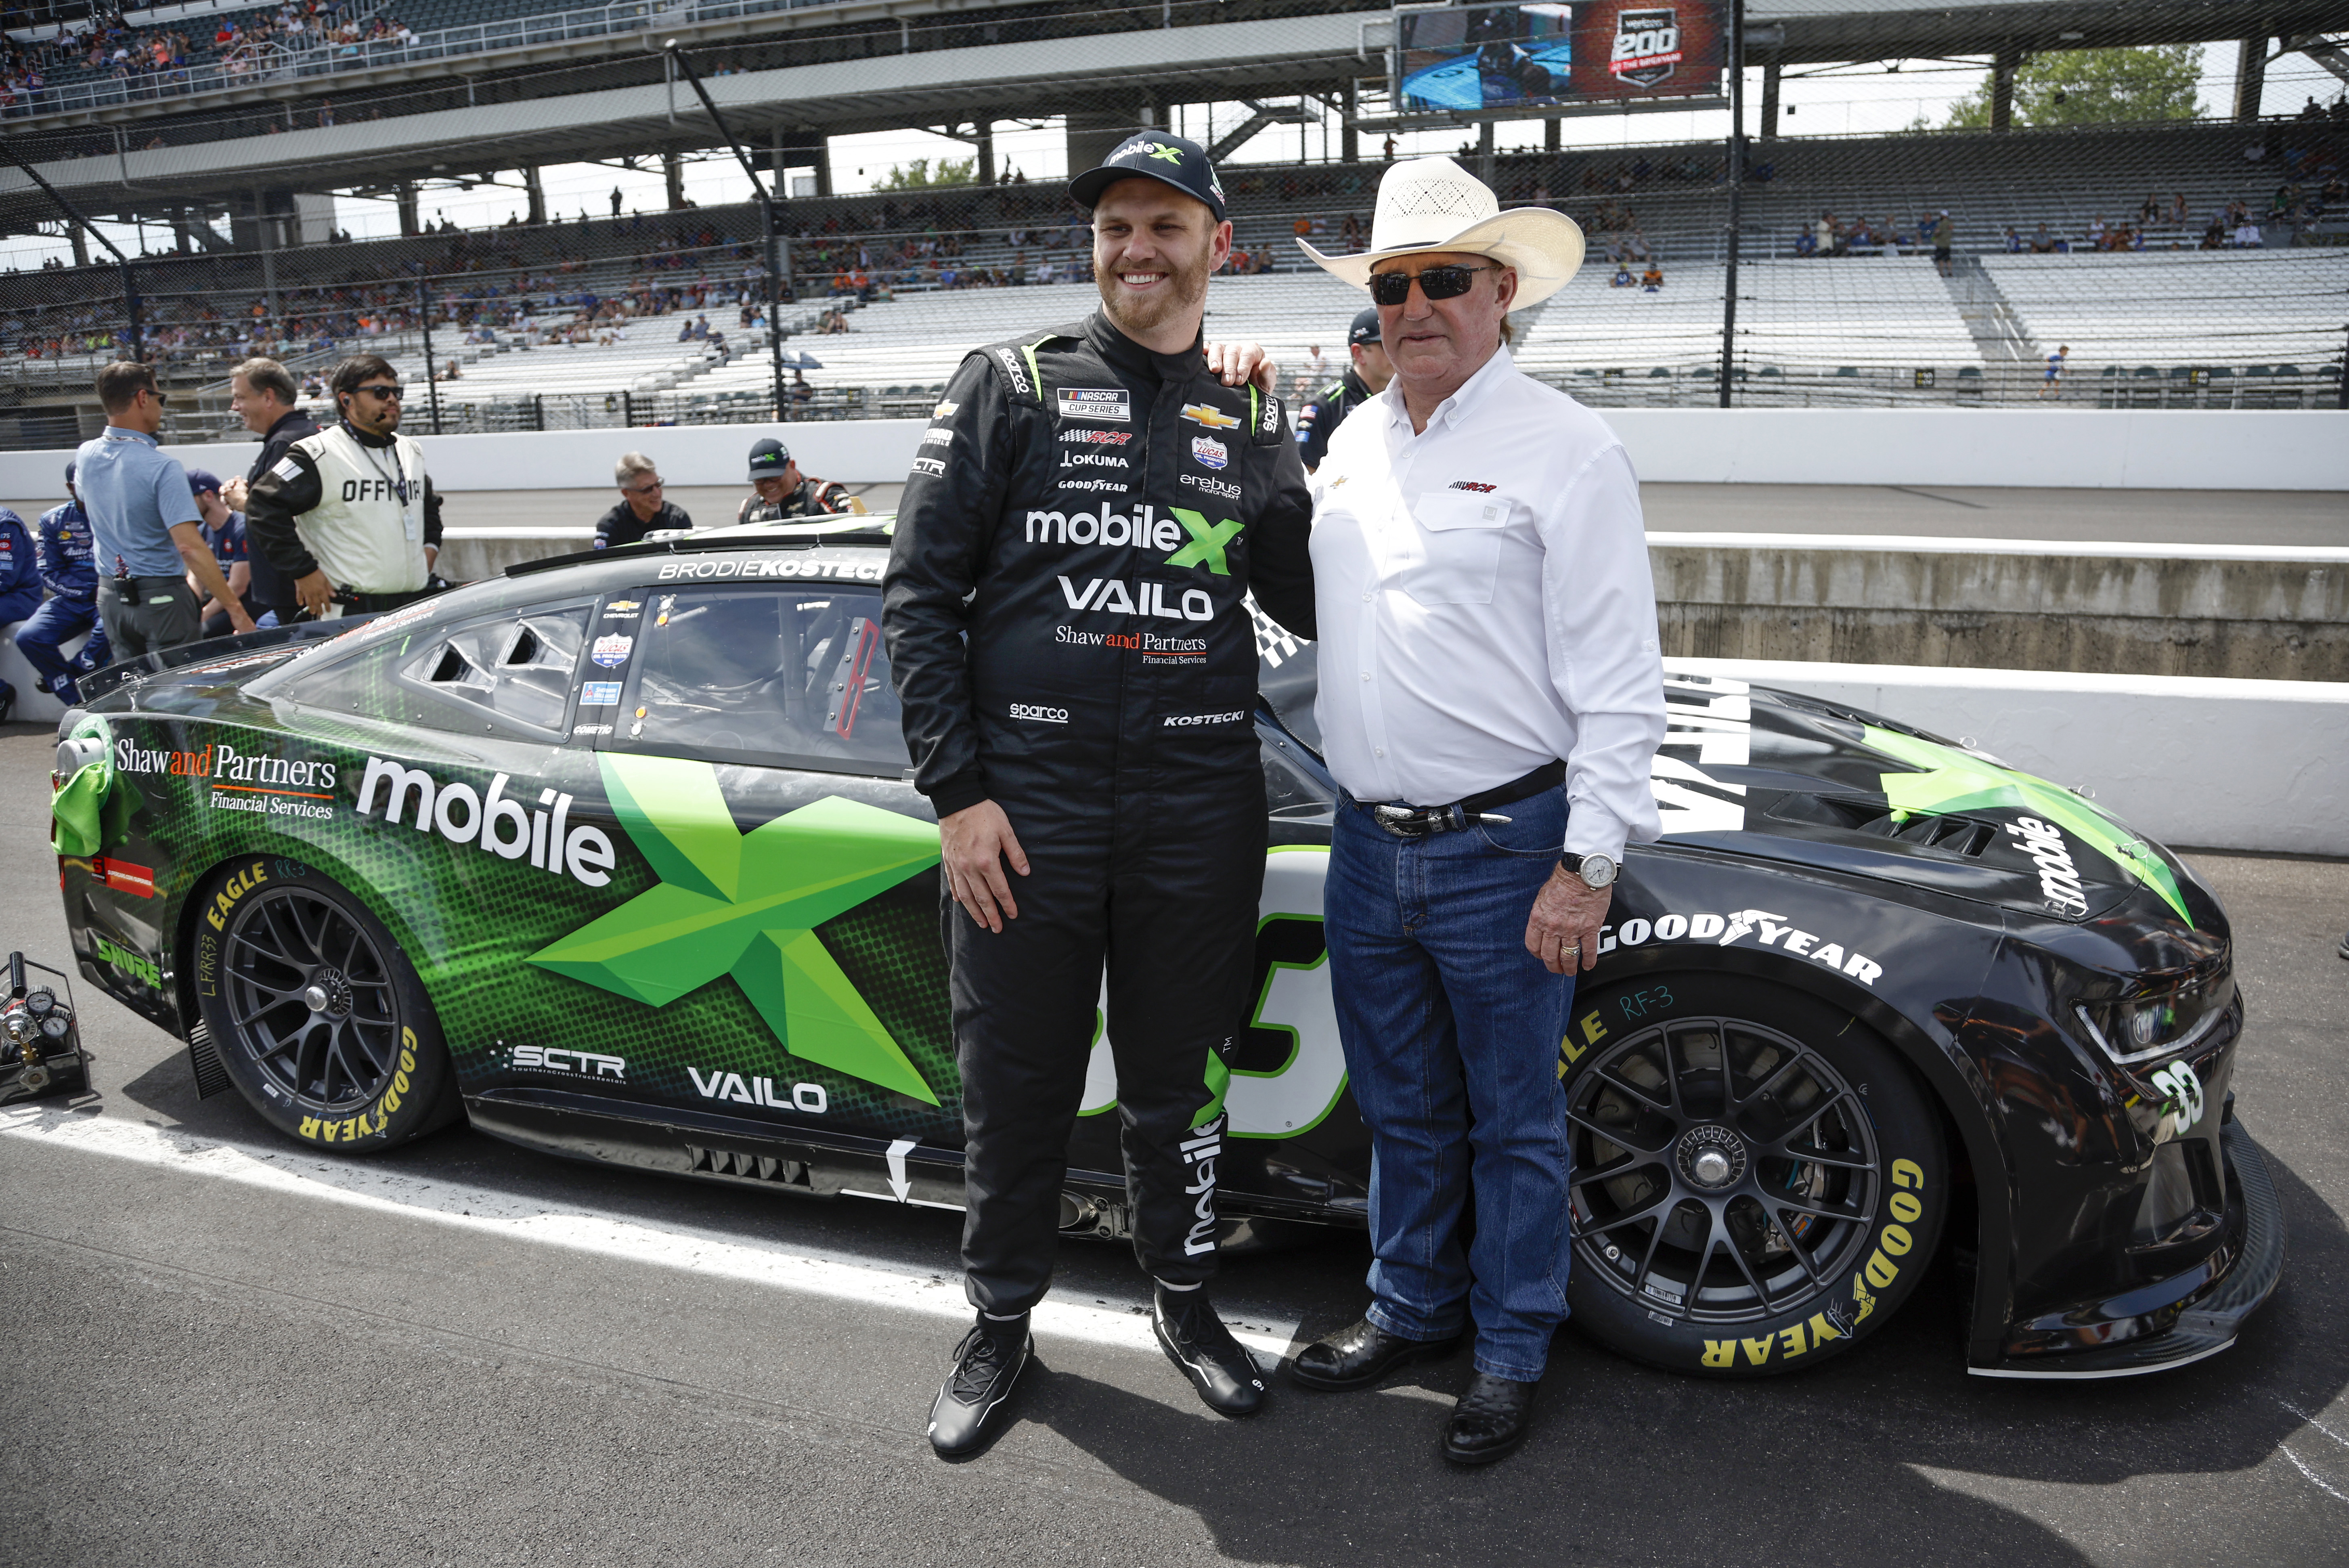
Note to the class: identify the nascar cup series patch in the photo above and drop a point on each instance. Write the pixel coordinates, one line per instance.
(1210, 453)
(1097, 403)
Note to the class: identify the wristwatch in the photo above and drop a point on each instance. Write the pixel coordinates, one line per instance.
(1596, 870)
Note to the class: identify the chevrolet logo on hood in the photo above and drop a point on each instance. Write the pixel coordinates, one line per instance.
(1214, 418)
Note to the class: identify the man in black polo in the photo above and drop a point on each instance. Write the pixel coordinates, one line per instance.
(1065, 607)
(778, 490)
(644, 506)
(1365, 378)
(262, 393)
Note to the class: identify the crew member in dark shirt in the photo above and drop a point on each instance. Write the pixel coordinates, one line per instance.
(1365, 378)
(782, 491)
(641, 509)
(262, 393)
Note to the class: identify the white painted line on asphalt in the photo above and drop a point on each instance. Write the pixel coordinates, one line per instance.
(300, 1173)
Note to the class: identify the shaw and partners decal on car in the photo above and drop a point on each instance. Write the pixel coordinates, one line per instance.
(262, 782)
(497, 823)
(1722, 929)
(790, 567)
(747, 906)
(1113, 404)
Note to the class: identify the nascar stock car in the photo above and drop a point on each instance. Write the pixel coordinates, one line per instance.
(616, 858)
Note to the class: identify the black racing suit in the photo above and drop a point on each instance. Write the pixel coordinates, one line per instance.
(1067, 625)
(810, 498)
(1317, 420)
(269, 589)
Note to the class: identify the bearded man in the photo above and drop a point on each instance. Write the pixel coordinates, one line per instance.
(1068, 626)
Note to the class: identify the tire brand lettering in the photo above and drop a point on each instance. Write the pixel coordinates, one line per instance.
(238, 884)
(1765, 928)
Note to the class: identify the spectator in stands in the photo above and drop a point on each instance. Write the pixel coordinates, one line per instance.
(68, 570)
(780, 490)
(144, 519)
(2247, 236)
(224, 530)
(1944, 235)
(2042, 243)
(2178, 214)
(1653, 280)
(2096, 233)
(1622, 278)
(2014, 242)
(2052, 387)
(2150, 210)
(641, 508)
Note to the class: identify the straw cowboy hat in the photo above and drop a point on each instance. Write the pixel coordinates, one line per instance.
(1433, 205)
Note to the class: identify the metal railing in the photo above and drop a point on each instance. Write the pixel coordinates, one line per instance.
(326, 60)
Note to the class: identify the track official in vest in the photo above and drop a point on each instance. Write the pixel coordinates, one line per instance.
(1490, 702)
(1067, 618)
(349, 516)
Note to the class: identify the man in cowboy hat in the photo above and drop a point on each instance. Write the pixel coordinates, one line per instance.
(1066, 607)
(1480, 563)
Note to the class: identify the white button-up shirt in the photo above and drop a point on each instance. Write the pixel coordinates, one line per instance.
(1486, 606)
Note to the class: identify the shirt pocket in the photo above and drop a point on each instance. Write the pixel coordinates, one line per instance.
(1460, 531)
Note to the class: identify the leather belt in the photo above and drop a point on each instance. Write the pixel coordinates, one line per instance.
(1418, 822)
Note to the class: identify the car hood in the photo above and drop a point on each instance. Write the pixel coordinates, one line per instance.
(1774, 775)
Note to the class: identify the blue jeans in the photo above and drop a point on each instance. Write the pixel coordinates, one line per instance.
(1450, 1031)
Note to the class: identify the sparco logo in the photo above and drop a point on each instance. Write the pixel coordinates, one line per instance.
(1187, 721)
(1647, 46)
(1147, 598)
(2059, 879)
(461, 815)
(1011, 370)
(1043, 715)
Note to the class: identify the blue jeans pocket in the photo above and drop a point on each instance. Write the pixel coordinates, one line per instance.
(1536, 828)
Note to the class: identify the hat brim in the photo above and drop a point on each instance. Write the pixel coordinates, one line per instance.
(1086, 189)
(1544, 246)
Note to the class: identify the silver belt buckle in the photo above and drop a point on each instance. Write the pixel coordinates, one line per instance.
(1399, 820)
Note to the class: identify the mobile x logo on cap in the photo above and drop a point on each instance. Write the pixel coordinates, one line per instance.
(1365, 329)
(769, 458)
(1160, 155)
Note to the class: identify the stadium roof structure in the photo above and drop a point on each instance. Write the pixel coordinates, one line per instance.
(505, 109)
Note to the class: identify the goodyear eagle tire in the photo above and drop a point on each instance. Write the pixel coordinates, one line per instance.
(316, 1013)
(1759, 1180)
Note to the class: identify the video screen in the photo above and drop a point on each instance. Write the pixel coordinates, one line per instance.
(1464, 58)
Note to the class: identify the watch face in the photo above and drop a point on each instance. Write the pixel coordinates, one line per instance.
(1598, 870)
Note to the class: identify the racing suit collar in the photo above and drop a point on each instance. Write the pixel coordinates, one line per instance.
(1125, 354)
(379, 442)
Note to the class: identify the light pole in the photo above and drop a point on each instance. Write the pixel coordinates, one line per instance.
(767, 203)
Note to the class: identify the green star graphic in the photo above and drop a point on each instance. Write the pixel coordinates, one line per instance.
(1954, 781)
(747, 904)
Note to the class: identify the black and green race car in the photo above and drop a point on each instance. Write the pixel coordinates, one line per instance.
(616, 857)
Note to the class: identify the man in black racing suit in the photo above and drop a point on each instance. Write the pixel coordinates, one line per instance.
(1065, 607)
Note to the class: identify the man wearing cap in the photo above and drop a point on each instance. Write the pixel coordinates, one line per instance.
(69, 571)
(20, 586)
(643, 505)
(224, 530)
(1490, 701)
(143, 517)
(780, 490)
(1317, 420)
(1065, 606)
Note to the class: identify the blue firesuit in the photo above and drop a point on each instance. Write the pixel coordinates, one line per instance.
(69, 569)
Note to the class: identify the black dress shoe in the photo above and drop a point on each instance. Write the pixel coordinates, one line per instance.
(1196, 1341)
(1358, 1356)
(986, 1363)
(1490, 1420)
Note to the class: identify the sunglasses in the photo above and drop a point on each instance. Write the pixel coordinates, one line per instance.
(644, 489)
(1447, 282)
(389, 394)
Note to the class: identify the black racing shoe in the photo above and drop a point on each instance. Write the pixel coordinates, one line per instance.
(987, 1364)
(1196, 1341)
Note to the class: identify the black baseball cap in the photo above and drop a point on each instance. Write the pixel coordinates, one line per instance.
(1365, 329)
(769, 458)
(69, 471)
(1160, 155)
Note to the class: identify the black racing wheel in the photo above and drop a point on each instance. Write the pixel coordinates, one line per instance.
(1758, 1179)
(315, 1014)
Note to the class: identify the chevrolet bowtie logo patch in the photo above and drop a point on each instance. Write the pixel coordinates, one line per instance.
(1214, 418)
